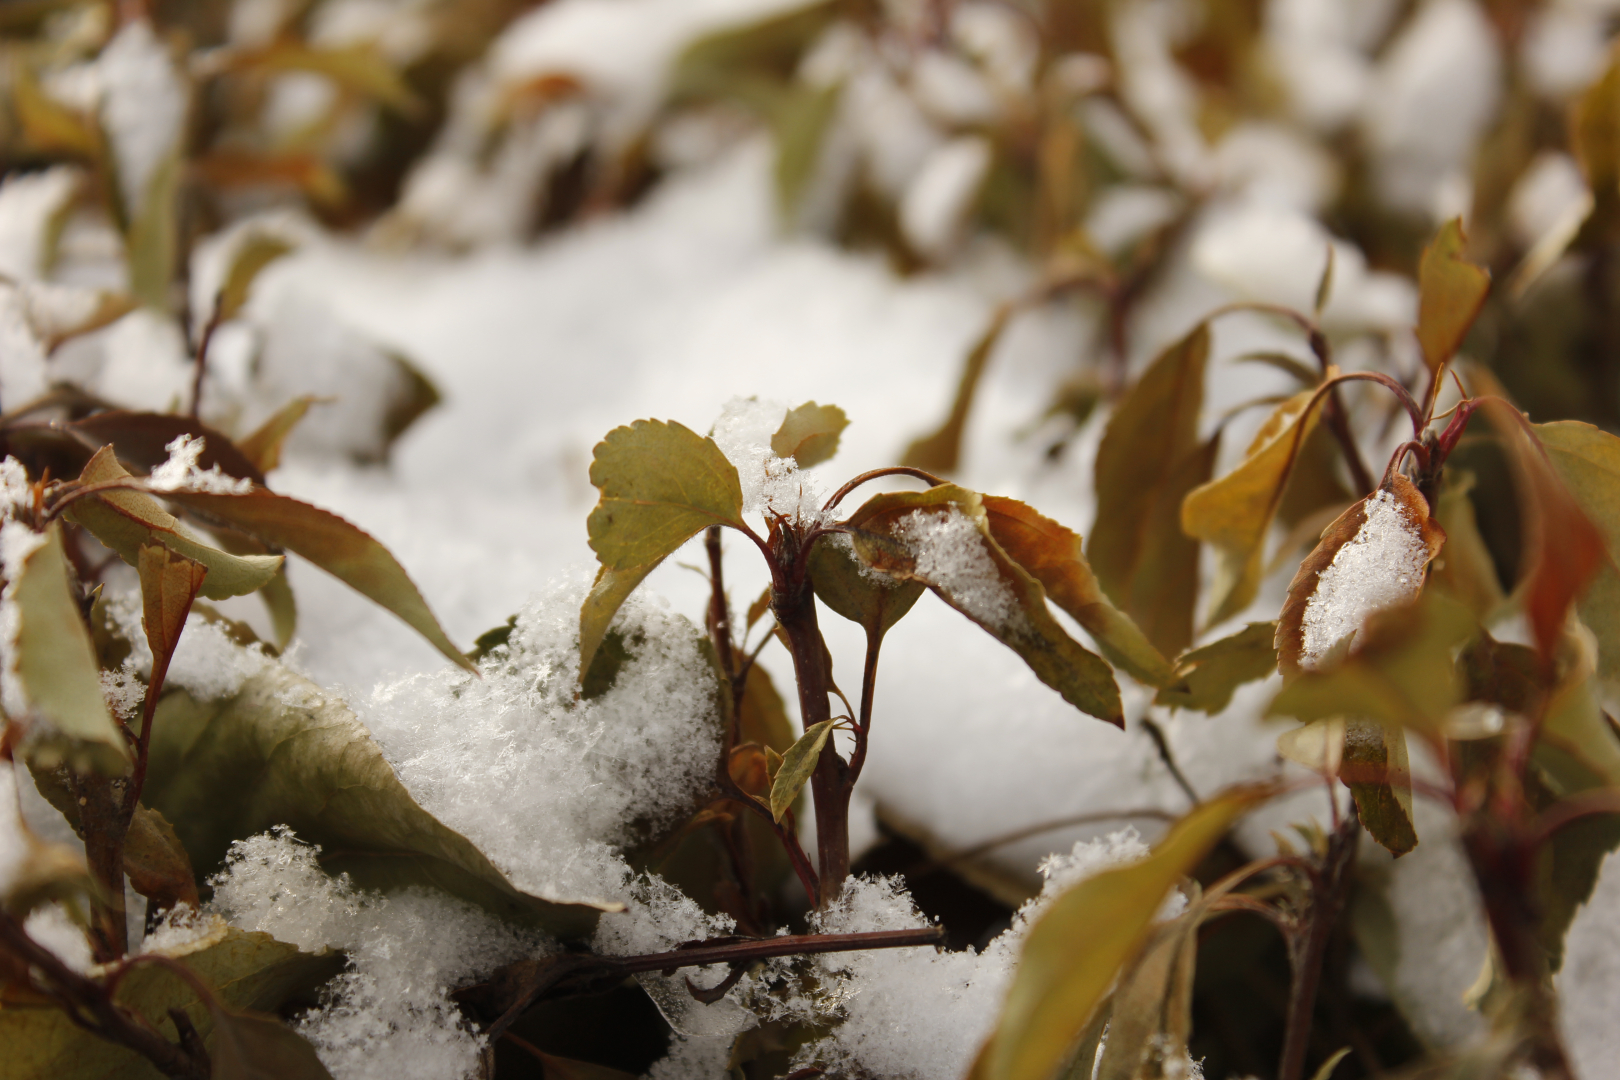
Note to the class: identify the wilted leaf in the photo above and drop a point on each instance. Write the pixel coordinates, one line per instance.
(56, 667)
(127, 520)
(283, 751)
(661, 484)
(809, 434)
(1464, 567)
(244, 970)
(263, 447)
(608, 594)
(941, 452)
(797, 765)
(340, 548)
(1235, 512)
(1051, 554)
(142, 439)
(875, 602)
(1451, 290)
(1588, 460)
(1147, 462)
(252, 255)
(1076, 949)
(1206, 677)
(1294, 650)
(156, 862)
(1399, 671)
(1374, 766)
(254, 1046)
(971, 572)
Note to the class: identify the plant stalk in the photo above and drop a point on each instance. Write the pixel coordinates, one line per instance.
(1307, 950)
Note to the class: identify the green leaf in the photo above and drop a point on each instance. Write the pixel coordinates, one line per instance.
(797, 765)
(800, 117)
(252, 255)
(340, 548)
(1147, 462)
(1375, 768)
(154, 236)
(284, 752)
(1235, 512)
(1052, 555)
(941, 452)
(1077, 948)
(1588, 459)
(1451, 290)
(253, 1046)
(983, 582)
(56, 667)
(661, 484)
(263, 446)
(809, 434)
(1207, 676)
(244, 970)
(608, 594)
(1152, 1005)
(874, 601)
(127, 520)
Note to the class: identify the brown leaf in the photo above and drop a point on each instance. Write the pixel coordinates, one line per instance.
(263, 447)
(169, 583)
(941, 451)
(1148, 460)
(256, 1046)
(1451, 290)
(141, 440)
(156, 862)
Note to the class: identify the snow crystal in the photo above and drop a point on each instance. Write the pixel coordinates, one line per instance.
(389, 1016)
(143, 105)
(950, 553)
(578, 779)
(182, 473)
(770, 484)
(1381, 566)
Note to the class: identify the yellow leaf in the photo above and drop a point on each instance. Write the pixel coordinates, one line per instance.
(1451, 290)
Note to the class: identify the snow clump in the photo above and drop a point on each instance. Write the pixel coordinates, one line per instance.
(951, 554)
(182, 473)
(577, 779)
(389, 1016)
(1379, 567)
(770, 485)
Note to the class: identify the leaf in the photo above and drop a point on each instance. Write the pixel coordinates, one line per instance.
(156, 862)
(1375, 767)
(1399, 671)
(941, 452)
(1206, 677)
(762, 602)
(415, 395)
(809, 434)
(1594, 135)
(874, 601)
(169, 583)
(279, 601)
(357, 68)
(55, 663)
(1148, 460)
(1326, 1071)
(1562, 547)
(1464, 568)
(283, 751)
(153, 240)
(244, 970)
(263, 447)
(1588, 460)
(1324, 286)
(1235, 512)
(47, 124)
(1076, 949)
(1451, 290)
(37, 872)
(340, 548)
(127, 520)
(1051, 554)
(253, 1046)
(797, 765)
(142, 439)
(661, 484)
(1152, 1005)
(608, 594)
(252, 255)
(1293, 649)
(800, 117)
(996, 593)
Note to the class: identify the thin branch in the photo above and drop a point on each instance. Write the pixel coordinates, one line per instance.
(921, 868)
(892, 470)
(863, 729)
(1306, 952)
(1162, 744)
(214, 321)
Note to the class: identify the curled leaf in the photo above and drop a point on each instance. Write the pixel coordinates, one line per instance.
(797, 765)
(809, 434)
(661, 484)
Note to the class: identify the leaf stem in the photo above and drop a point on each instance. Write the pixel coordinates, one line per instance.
(1307, 951)
(874, 474)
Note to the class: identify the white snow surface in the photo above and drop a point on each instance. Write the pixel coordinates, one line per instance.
(1589, 982)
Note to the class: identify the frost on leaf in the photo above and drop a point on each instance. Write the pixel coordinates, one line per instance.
(1373, 557)
(181, 472)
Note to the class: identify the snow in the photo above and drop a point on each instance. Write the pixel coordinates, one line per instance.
(1379, 567)
(180, 472)
(939, 197)
(28, 203)
(1589, 982)
(771, 485)
(951, 554)
(143, 107)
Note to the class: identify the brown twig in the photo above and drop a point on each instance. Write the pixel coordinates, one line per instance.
(1307, 949)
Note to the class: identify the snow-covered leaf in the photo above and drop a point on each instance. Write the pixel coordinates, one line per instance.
(661, 484)
(284, 752)
(942, 538)
(1451, 290)
(809, 434)
(340, 548)
(1148, 460)
(56, 666)
(1052, 555)
(1207, 676)
(797, 765)
(1077, 948)
(860, 596)
(1234, 513)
